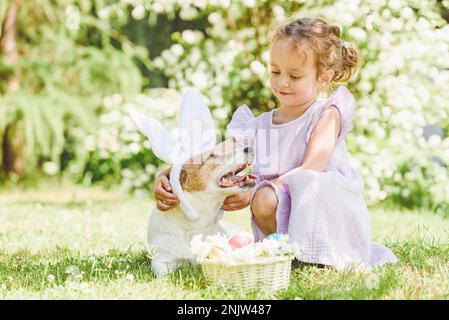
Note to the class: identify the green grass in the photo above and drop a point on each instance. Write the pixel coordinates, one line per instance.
(74, 243)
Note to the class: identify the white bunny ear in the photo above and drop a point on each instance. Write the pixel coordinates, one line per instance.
(196, 121)
(164, 146)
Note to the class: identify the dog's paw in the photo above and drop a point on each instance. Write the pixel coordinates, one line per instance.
(161, 269)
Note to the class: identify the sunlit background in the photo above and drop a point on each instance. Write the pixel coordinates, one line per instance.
(69, 68)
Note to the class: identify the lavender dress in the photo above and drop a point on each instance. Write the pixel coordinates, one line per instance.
(323, 212)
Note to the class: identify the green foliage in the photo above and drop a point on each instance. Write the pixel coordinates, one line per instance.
(68, 61)
(43, 119)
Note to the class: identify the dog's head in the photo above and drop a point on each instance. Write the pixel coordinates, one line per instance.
(221, 170)
(200, 168)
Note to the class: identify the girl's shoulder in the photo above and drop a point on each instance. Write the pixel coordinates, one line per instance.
(344, 101)
(243, 118)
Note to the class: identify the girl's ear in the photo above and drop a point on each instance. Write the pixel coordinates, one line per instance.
(326, 77)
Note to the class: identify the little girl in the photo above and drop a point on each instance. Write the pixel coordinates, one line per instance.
(305, 185)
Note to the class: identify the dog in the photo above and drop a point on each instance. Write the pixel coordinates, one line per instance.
(206, 184)
(202, 178)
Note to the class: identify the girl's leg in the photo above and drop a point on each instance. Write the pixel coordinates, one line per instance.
(263, 206)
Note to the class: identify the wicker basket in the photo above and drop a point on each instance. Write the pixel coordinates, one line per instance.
(270, 274)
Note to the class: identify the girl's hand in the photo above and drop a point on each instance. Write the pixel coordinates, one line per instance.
(237, 201)
(165, 198)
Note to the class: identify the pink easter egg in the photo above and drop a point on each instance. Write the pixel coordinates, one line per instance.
(238, 241)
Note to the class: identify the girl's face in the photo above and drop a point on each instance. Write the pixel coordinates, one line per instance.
(293, 77)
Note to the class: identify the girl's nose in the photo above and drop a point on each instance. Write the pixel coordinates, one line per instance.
(283, 82)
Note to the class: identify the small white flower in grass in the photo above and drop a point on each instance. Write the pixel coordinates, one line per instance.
(50, 168)
(129, 277)
(3, 286)
(72, 270)
(372, 282)
(84, 286)
(151, 252)
(50, 278)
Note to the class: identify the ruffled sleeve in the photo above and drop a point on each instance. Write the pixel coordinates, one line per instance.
(242, 126)
(343, 99)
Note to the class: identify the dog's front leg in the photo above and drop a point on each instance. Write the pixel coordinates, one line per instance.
(162, 268)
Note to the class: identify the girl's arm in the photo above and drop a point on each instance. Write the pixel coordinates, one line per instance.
(321, 144)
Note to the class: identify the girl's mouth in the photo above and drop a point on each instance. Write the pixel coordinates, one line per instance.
(285, 93)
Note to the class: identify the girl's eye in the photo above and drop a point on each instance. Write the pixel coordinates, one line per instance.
(296, 78)
(275, 72)
(212, 156)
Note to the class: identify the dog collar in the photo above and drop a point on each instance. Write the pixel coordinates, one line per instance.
(184, 203)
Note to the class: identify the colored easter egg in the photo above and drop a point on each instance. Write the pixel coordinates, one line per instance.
(274, 236)
(238, 241)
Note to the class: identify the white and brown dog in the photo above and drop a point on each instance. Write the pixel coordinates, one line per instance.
(202, 176)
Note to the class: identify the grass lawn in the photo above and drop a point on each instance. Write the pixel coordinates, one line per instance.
(74, 243)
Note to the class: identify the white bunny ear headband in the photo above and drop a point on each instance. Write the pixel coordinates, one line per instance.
(194, 135)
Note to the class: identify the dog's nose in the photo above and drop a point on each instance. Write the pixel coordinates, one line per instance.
(248, 150)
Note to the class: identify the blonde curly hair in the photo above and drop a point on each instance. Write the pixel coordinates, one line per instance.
(331, 51)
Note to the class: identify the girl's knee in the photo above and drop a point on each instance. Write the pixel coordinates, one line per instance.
(264, 203)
